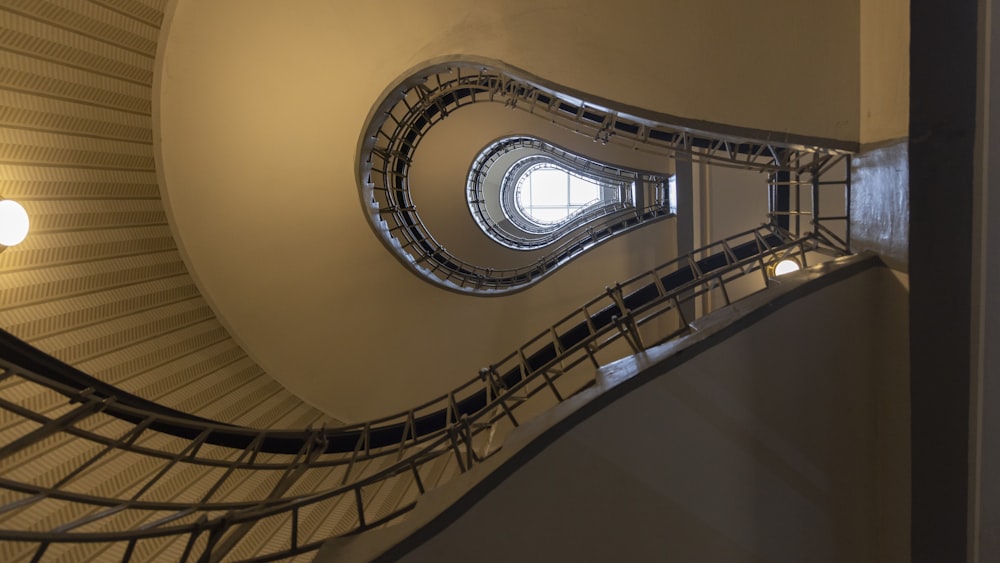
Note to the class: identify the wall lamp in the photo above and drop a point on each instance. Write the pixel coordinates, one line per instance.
(13, 223)
(782, 267)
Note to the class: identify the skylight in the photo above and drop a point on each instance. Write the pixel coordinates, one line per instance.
(548, 194)
(526, 193)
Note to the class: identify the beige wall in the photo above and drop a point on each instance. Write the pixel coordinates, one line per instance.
(99, 282)
(263, 102)
(885, 70)
(260, 111)
(751, 451)
(437, 178)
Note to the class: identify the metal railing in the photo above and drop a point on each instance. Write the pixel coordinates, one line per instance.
(824, 191)
(527, 235)
(409, 110)
(179, 496)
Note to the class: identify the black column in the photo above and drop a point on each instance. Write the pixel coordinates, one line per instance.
(943, 54)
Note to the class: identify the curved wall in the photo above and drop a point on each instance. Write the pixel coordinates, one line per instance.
(262, 109)
(806, 460)
(99, 282)
(446, 154)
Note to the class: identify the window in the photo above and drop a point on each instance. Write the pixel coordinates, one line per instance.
(672, 193)
(548, 194)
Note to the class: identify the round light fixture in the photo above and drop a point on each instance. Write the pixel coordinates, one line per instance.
(786, 266)
(13, 222)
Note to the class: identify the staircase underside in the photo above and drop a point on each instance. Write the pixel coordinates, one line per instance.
(776, 431)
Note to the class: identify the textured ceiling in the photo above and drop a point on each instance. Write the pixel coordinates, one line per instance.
(99, 282)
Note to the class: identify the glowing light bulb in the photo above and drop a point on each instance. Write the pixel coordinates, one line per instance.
(13, 222)
(786, 267)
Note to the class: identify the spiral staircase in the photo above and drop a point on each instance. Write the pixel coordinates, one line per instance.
(135, 427)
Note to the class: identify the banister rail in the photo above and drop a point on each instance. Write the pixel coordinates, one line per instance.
(410, 108)
(620, 213)
(426, 417)
(316, 491)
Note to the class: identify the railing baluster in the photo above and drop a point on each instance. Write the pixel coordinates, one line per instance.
(454, 448)
(42, 547)
(89, 407)
(362, 439)
(127, 556)
(416, 477)
(409, 429)
(200, 525)
(361, 507)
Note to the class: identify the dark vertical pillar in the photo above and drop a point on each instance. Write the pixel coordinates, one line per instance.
(943, 54)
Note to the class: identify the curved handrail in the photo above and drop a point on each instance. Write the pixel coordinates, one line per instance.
(590, 219)
(422, 99)
(418, 422)
(422, 420)
(487, 405)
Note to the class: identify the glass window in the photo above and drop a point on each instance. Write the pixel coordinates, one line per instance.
(548, 194)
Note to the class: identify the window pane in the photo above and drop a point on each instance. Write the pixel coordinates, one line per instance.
(672, 194)
(582, 191)
(548, 187)
(549, 194)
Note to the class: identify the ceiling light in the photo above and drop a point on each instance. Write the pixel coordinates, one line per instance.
(13, 222)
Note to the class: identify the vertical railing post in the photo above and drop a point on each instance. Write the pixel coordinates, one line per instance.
(798, 197)
(88, 407)
(815, 202)
(847, 201)
(359, 502)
